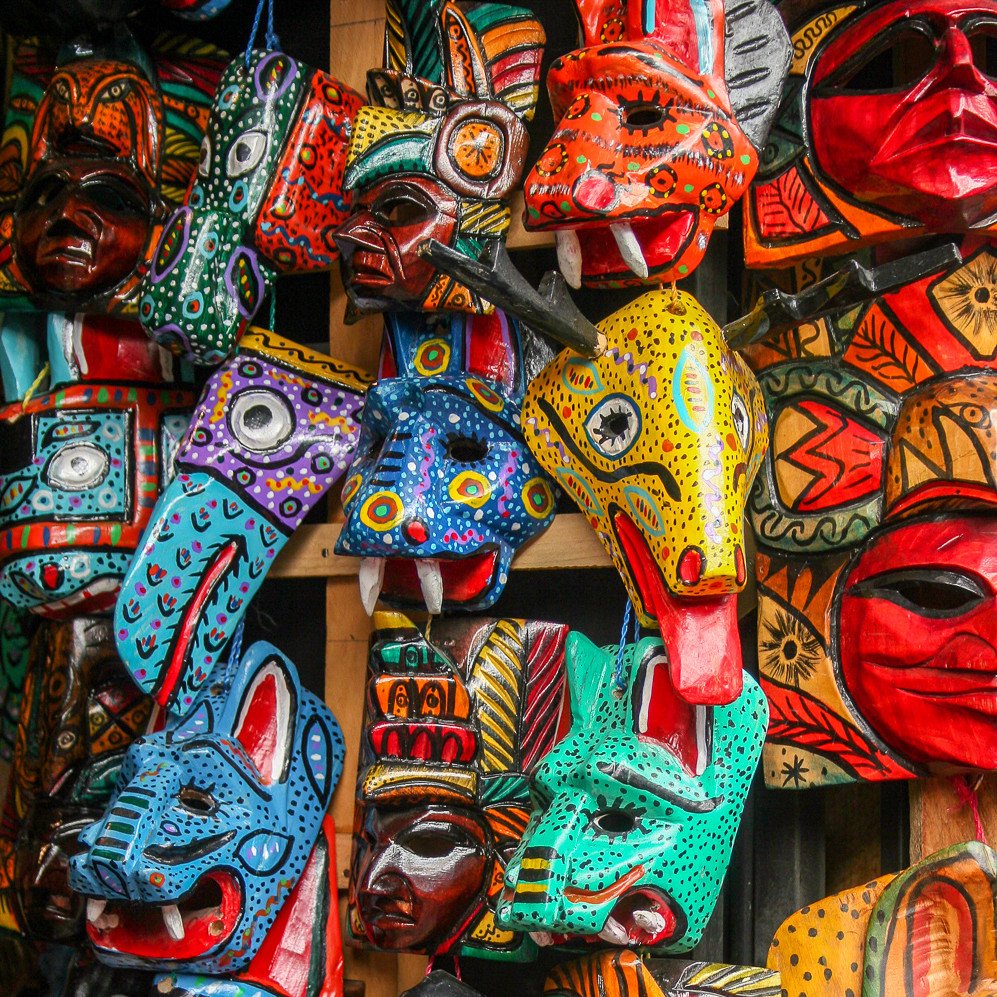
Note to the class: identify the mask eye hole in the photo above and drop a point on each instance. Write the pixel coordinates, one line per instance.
(398, 212)
(466, 449)
(890, 63)
(261, 420)
(246, 152)
(435, 843)
(642, 116)
(77, 467)
(204, 161)
(742, 422)
(932, 593)
(613, 426)
(613, 821)
(982, 36)
(198, 802)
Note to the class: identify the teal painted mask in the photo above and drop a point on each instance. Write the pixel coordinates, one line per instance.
(635, 811)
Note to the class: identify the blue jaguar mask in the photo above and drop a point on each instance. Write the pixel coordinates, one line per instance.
(212, 824)
(442, 490)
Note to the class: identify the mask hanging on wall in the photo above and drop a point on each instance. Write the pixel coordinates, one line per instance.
(265, 201)
(636, 809)
(452, 727)
(660, 121)
(275, 429)
(438, 150)
(443, 490)
(928, 930)
(875, 519)
(212, 833)
(658, 441)
(114, 132)
(886, 131)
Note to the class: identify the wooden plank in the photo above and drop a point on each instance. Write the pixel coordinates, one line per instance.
(569, 543)
(938, 818)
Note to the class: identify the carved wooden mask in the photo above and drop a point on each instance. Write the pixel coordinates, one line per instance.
(875, 519)
(887, 129)
(453, 727)
(438, 150)
(658, 135)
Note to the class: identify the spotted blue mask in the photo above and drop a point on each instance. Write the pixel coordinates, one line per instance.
(442, 490)
(212, 824)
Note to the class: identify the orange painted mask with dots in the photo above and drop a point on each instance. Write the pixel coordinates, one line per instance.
(659, 133)
(658, 442)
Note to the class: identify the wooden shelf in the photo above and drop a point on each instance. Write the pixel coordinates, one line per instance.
(569, 543)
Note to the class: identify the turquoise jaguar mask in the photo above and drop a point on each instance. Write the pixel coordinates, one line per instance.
(635, 811)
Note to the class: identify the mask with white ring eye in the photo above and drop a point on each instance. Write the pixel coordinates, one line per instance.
(261, 420)
(613, 426)
(204, 161)
(77, 467)
(742, 421)
(245, 153)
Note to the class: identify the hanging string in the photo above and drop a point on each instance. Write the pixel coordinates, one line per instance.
(965, 792)
(272, 42)
(621, 685)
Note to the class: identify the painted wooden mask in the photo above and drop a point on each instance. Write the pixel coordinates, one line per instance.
(113, 141)
(635, 811)
(443, 490)
(266, 198)
(658, 135)
(658, 441)
(212, 824)
(887, 130)
(274, 430)
(452, 728)
(928, 930)
(82, 461)
(79, 713)
(875, 519)
(438, 150)
(621, 973)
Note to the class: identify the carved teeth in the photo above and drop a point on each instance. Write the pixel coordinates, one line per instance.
(173, 922)
(650, 920)
(614, 932)
(371, 580)
(569, 256)
(95, 908)
(629, 247)
(431, 580)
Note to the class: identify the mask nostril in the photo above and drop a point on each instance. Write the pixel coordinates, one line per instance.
(415, 532)
(691, 566)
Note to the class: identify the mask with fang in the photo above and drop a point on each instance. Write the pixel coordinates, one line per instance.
(658, 441)
(659, 128)
(266, 198)
(887, 130)
(452, 727)
(274, 430)
(438, 150)
(876, 528)
(212, 824)
(635, 811)
(443, 490)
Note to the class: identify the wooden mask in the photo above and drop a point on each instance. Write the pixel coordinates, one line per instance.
(438, 150)
(658, 441)
(452, 729)
(82, 461)
(660, 125)
(877, 534)
(635, 810)
(929, 930)
(887, 130)
(274, 430)
(216, 820)
(265, 200)
(621, 973)
(443, 490)
(113, 142)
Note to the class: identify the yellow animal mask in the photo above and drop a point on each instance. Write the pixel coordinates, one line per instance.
(658, 442)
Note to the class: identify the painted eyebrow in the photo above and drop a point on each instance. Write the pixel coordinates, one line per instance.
(627, 776)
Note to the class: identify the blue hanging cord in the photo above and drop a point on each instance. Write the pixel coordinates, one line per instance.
(235, 649)
(271, 40)
(621, 685)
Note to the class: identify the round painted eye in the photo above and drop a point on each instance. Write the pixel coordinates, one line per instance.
(613, 425)
(204, 162)
(742, 421)
(613, 821)
(246, 152)
(261, 420)
(77, 467)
